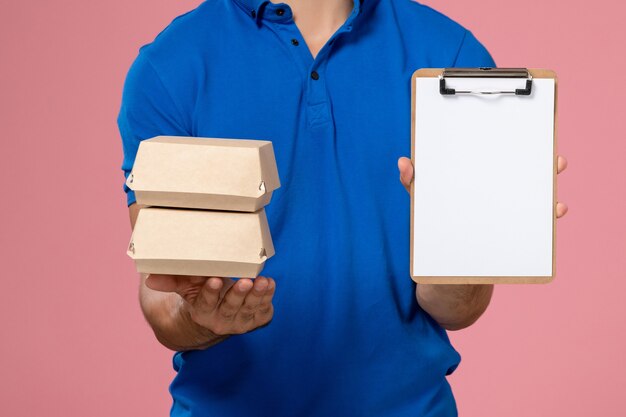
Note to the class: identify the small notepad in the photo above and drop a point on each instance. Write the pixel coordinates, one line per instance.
(484, 194)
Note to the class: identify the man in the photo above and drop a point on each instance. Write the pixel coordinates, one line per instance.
(328, 82)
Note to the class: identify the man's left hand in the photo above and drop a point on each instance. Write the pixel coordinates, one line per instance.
(455, 307)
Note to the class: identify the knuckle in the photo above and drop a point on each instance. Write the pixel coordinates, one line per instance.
(266, 310)
(227, 306)
(249, 309)
(244, 317)
(227, 315)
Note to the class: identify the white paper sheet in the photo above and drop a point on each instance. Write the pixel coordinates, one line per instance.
(483, 196)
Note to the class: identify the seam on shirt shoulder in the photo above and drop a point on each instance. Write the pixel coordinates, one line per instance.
(458, 52)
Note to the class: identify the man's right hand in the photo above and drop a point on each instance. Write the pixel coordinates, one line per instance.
(220, 306)
(198, 312)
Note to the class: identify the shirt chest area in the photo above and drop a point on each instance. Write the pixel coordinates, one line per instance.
(274, 92)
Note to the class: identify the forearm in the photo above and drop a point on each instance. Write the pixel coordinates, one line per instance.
(454, 307)
(171, 321)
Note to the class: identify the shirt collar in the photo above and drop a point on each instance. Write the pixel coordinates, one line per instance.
(252, 7)
(255, 8)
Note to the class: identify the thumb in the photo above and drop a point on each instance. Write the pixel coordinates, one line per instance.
(172, 283)
(164, 283)
(406, 172)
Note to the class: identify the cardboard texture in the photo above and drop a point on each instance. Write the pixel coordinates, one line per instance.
(200, 242)
(204, 173)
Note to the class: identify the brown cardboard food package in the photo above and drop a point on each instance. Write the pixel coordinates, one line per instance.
(204, 173)
(200, 242)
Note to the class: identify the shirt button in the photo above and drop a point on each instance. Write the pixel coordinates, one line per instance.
(280, 12)
(295, 42)
(315, 75)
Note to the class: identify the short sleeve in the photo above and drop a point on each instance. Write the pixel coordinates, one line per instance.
(472, 53)
(147, 110)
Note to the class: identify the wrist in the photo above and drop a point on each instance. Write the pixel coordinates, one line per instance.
(454, 307)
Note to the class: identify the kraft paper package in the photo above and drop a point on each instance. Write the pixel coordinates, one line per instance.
(202, 173)
(206, 199)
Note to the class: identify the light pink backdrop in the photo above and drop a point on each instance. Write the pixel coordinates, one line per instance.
(73, 339)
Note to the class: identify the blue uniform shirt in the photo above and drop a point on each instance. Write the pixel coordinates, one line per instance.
(348, 337)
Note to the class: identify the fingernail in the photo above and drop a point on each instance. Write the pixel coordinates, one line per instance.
(244, 285)
(214, 283)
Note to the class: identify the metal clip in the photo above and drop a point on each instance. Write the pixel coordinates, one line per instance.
(485, 72)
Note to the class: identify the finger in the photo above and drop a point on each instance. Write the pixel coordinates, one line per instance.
(252, 300)
(265, 307)
(188, 287)
(172, 283)
(406, 171)
(209, 296)
(561, 164)
(227, 284)
(164, 283)
(233, 299)
(561, 210)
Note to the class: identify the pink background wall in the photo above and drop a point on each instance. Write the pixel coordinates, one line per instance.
(74, 342)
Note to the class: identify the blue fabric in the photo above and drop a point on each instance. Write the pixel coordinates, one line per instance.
(348, 337)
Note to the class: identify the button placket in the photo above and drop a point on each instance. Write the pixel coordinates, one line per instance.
(318, 103)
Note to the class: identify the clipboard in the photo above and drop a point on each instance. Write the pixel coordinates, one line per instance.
(483, 199)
